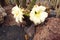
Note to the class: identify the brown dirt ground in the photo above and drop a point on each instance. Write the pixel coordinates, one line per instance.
(49, 31)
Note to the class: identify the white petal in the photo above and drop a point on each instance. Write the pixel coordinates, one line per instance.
(42, 8)
(43, 15)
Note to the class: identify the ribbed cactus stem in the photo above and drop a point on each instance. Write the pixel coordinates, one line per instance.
(24, 3)
(31, 4)
(17, 2)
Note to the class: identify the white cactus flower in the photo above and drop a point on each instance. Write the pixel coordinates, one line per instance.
(18, 14)
(38, 14)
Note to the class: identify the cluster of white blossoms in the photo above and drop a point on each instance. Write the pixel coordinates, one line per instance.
(18, 14)
(38, 14)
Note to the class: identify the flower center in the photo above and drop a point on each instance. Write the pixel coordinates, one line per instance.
(37, 14)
